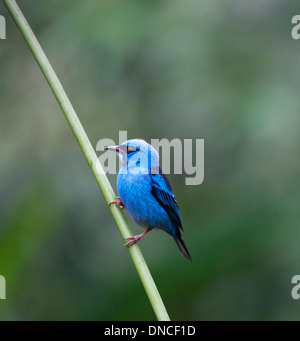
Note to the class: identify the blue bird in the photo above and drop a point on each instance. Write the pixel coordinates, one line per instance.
(146, 193)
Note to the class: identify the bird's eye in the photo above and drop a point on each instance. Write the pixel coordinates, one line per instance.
(130, 150)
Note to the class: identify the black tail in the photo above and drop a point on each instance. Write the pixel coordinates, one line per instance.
(181, 245)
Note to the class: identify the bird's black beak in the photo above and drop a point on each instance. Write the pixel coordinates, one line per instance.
(113, 148)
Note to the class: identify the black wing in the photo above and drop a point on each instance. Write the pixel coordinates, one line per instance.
(162, 192)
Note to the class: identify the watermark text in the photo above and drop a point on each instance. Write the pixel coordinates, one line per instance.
(296, 29)
(2, 288)
(2, 27)
(178, 156)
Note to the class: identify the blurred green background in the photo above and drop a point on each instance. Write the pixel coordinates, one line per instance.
(227, 72)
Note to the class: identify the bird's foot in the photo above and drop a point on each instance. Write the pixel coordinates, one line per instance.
(118, 202)
(135, 239)
(132, 240)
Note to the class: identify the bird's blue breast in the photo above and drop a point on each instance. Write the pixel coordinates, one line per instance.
(135, 193)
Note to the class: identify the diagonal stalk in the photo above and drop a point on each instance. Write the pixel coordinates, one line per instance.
(90, 155)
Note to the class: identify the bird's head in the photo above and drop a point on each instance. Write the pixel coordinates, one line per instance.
(136, 153)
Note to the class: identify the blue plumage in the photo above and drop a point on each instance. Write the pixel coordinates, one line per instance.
(146, 193)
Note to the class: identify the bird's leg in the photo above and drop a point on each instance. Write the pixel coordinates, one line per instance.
(118, 202)
(135, 239)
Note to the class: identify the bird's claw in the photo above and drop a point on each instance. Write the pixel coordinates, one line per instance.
(117, 202)
(132, 240)
(135, 239)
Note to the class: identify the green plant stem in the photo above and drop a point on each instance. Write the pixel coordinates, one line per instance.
(90, 155)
